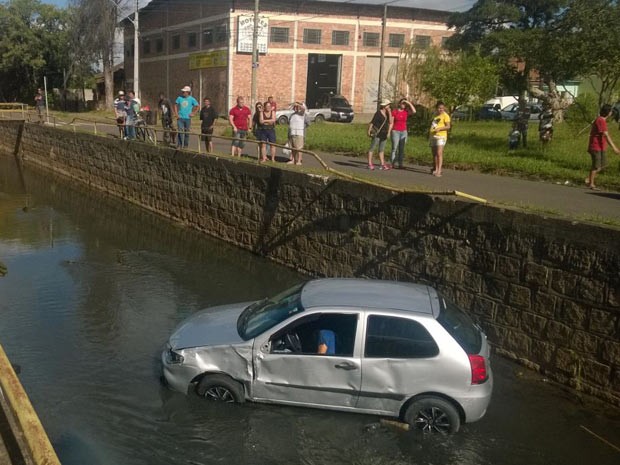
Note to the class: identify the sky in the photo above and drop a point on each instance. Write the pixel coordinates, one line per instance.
(446, 5)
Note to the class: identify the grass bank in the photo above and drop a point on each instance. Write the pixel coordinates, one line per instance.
(483, 146)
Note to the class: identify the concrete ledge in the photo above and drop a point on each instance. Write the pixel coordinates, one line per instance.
(28, 433)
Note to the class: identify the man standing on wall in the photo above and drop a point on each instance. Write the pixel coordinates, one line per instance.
(165, 109)
(39, 103)
(132, 107)
(121, 114)
(240, 119)
(185, 108)
(208, 115)
(297, 132)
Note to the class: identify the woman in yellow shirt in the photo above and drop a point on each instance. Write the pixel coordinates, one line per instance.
(439, 136)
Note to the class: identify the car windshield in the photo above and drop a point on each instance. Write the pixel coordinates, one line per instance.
(339, 102)
(460, 326)
(266, 313)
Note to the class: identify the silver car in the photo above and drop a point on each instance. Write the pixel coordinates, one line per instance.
(377, 347)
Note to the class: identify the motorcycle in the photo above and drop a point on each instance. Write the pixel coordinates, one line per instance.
(545, 127)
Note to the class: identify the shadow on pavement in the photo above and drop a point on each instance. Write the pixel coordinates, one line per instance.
(609, 195)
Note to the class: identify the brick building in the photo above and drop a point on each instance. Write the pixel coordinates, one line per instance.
(309, 49)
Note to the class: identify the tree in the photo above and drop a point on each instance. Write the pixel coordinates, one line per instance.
(98, 21)
(454, 78)
(31, 46)
(518, 34)
(589, 40)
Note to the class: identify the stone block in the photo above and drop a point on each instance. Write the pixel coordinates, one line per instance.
(585, 343)
(613, 297)
(543, 304)
(518, 342)
(603, 322)
(507, 316)
(542, 352)
(533, 324)
(536, 275)
(508, 267)
(453, 274)
(573, 314)
(558, 332)
(472, 280)
(611, 352)
(519, 296)
(591, 290)
(484, 262)
(497, 334)
(495, 288)
(483, 308)
(567, 361)
(564, 283)
(596, 372)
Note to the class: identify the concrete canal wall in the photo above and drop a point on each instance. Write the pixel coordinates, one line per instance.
(546, 290)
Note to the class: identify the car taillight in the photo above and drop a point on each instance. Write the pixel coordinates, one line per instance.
(478, 369)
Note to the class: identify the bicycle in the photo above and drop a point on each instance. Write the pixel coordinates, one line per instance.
(143, 131)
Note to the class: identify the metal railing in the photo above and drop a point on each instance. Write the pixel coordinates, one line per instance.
(86, 125)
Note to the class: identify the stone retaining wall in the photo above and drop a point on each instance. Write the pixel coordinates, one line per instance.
(547, 291)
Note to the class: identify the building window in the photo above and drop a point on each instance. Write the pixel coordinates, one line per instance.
(176, 42)
(279, 35)
(371, 39)
(146, 46)
(397, 40)
(221, 33)
(207, 37)
(159, 45)
(340, 37)
(422, 41)
(444, 42)
(312, 36)
(191, 39)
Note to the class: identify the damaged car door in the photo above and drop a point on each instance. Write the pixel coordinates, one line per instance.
(288, 367)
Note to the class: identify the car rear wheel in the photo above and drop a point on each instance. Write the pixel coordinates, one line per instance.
(220, 388)
(282, 120)
(433, 415)
(319, 118)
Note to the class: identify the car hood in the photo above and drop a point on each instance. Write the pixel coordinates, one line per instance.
(210, 327)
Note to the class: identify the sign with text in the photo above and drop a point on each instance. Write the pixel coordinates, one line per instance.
(213, 59)
(245, 33)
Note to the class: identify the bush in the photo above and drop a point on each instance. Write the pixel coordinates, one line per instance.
(583, 110)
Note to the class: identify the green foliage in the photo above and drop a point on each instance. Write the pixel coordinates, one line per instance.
(33, 39)
(454, 78)
(583, 111)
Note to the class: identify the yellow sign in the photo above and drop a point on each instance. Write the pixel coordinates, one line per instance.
(214, 59)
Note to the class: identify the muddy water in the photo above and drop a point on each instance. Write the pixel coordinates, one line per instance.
(94, 287)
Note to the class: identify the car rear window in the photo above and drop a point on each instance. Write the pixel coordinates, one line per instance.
(460, 326)
(393, 337)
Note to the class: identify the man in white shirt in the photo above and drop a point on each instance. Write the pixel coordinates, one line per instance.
(297, 132)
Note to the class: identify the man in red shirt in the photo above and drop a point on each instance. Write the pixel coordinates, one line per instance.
(599, 137)
(240, 118)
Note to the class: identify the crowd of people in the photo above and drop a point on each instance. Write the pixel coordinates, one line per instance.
(386, 124)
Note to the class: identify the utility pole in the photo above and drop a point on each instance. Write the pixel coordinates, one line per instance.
(254, 54)
(382, 59)
(136, 55)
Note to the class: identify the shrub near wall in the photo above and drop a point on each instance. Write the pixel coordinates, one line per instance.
(547, 291)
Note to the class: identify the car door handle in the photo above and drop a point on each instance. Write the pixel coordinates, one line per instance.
(347, 366)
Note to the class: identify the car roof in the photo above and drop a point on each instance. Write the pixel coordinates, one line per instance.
(369, 293)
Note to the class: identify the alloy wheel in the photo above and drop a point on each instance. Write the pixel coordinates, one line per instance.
(220, 394)
(432, 420)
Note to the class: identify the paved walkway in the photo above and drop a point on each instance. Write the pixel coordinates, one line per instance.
(577, 202)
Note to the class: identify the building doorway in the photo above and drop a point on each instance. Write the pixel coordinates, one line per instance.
(390, 78)
(323, 78)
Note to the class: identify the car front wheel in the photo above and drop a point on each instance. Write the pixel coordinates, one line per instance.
(433, 415)
(283, 120)
(319, 118)
(220, 388)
